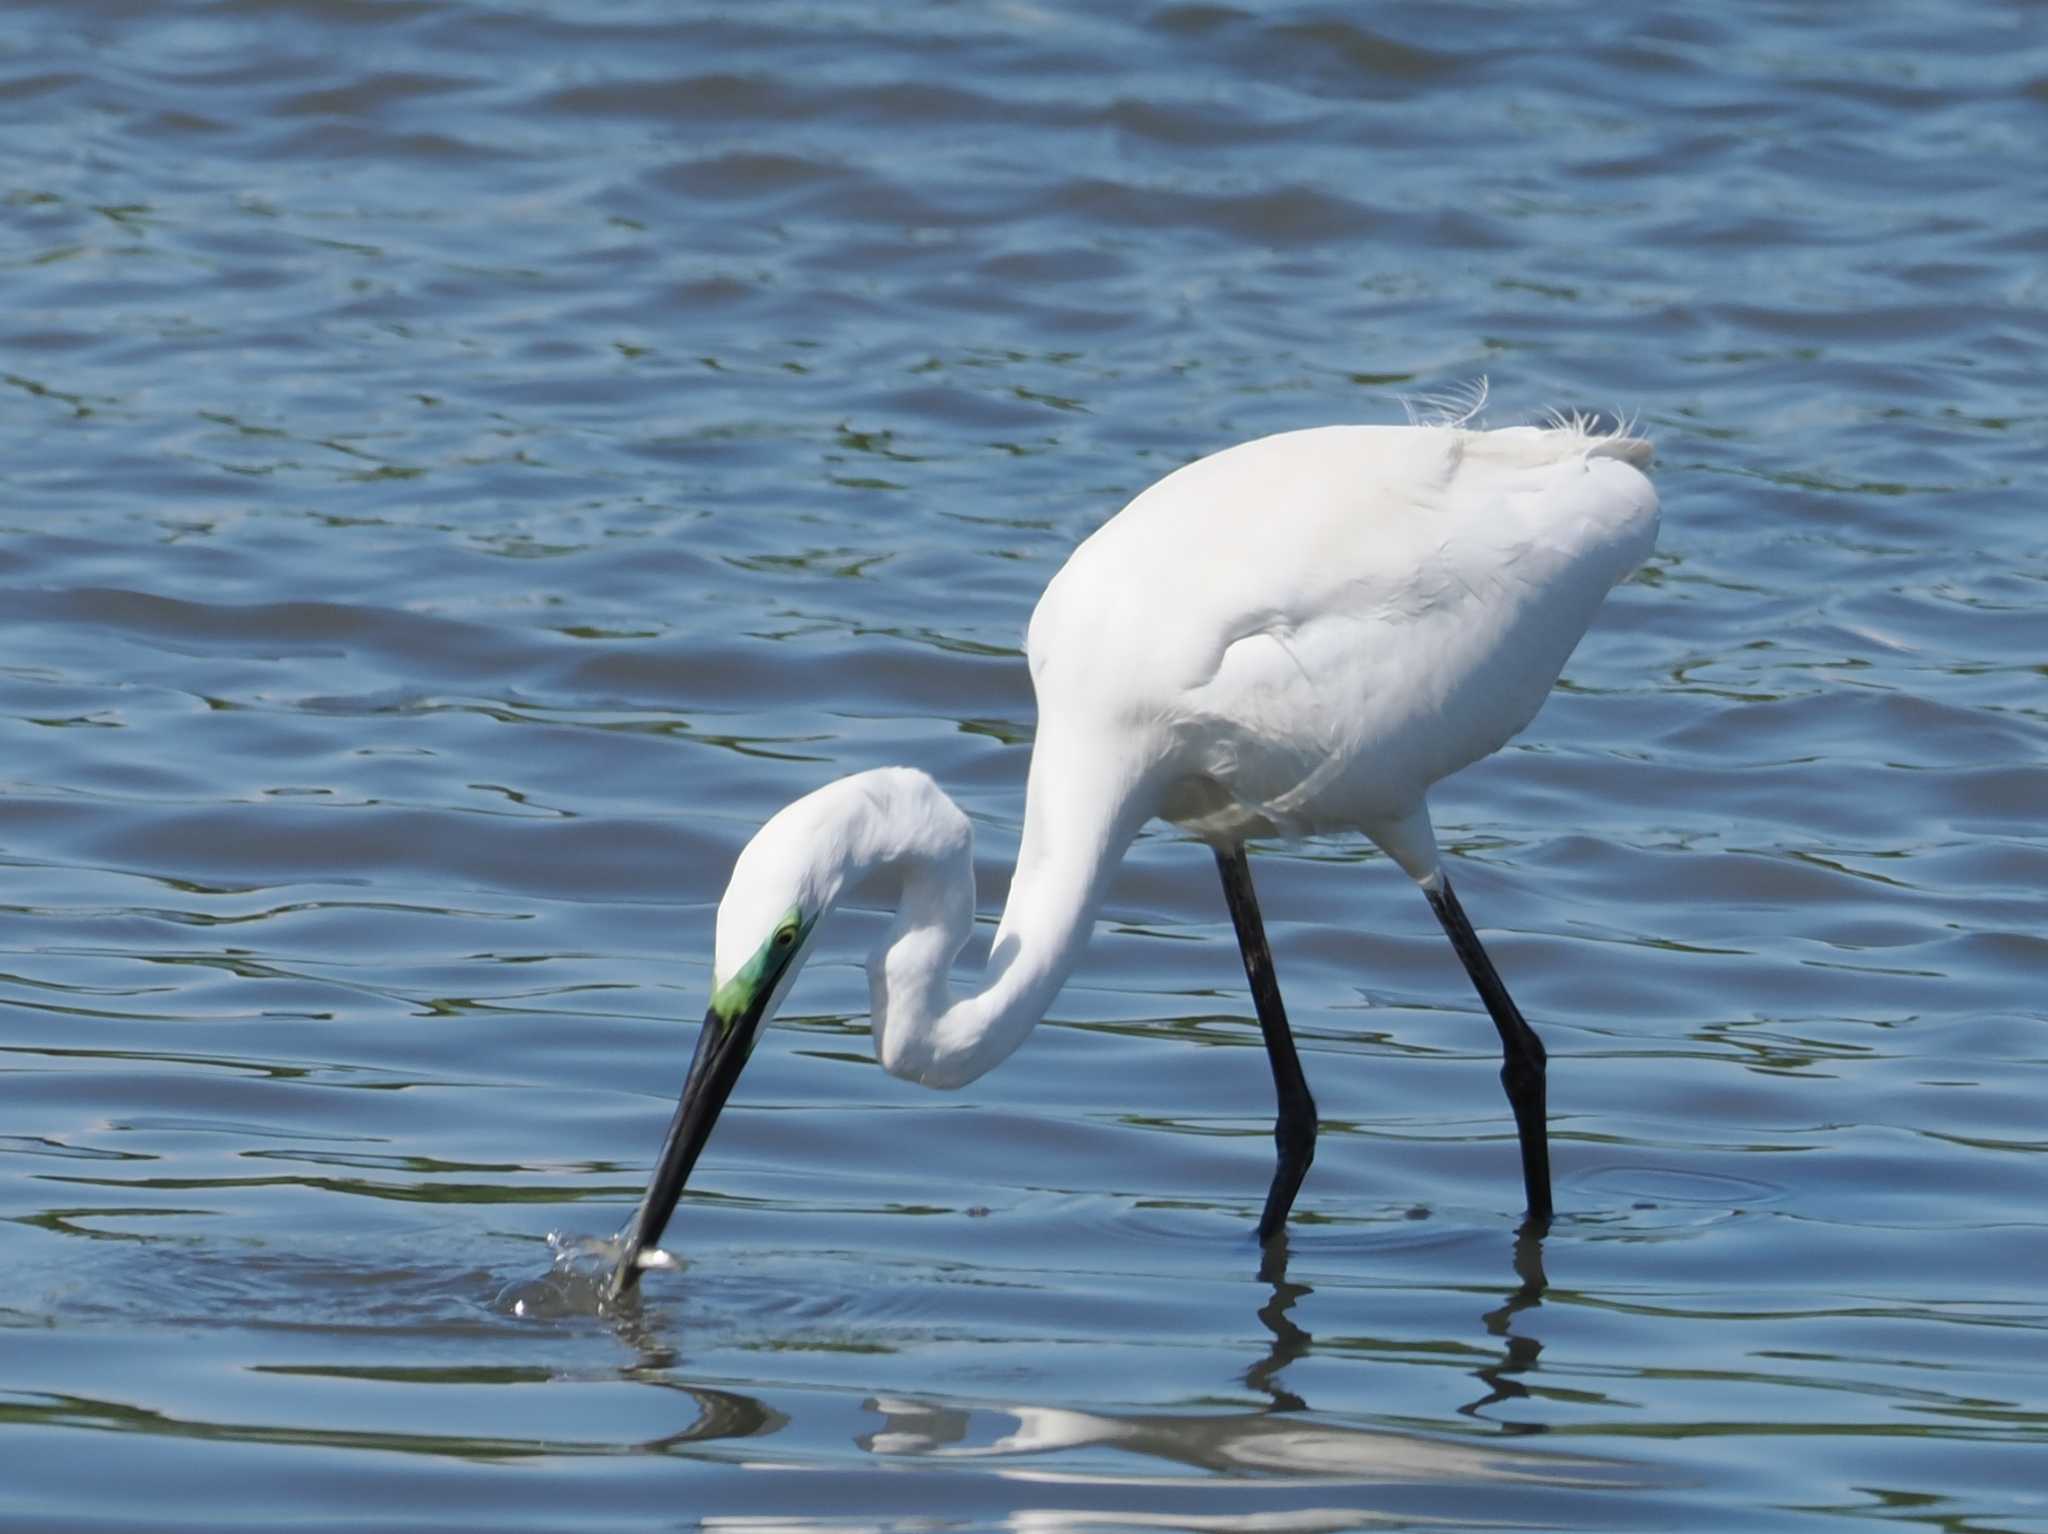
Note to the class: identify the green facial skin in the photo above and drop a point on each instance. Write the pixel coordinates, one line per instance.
(756, 978)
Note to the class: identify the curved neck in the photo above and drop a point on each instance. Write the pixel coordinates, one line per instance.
(1078, 822)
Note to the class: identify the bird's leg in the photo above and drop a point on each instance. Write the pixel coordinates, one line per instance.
(1522, 1070)
(1294, 1130)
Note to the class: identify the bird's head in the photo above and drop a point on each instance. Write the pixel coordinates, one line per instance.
(833, 841)
(779, 889)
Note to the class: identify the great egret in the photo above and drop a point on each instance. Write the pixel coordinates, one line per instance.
(1297, 635)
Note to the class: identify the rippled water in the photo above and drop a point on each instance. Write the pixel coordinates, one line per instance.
(465, 466)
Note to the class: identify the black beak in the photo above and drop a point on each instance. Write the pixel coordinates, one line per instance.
(722, 1050)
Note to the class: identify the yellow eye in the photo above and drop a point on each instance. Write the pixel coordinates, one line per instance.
(785, 936)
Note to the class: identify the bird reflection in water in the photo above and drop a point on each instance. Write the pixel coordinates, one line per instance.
(1280, 1438)
(1521, 1351)
(1291, 1341)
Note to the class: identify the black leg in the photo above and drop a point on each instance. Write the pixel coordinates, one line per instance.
(1294, 1131)
(1521, 1052)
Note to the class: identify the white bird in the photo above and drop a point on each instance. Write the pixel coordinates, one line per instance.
(1296, 636)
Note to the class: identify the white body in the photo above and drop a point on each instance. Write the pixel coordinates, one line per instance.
(1301, 634)
(1348, 615)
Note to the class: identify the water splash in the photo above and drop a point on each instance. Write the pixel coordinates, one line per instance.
(578, 1282)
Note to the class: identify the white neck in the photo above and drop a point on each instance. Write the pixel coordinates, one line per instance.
(901, 831)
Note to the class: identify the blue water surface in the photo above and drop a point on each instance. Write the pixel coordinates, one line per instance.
(463, 466)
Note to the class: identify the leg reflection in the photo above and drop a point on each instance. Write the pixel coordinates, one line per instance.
(1520, 1353)
(1289, 1340)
